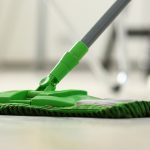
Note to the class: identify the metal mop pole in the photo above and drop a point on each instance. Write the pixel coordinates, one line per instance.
(104, 22)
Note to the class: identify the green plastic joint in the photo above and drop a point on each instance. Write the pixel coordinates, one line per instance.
(47, 84)
(64, 66)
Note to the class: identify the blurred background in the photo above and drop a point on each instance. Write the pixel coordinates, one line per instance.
(34, 34)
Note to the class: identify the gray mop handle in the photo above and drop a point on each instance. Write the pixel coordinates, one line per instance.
(104, 22)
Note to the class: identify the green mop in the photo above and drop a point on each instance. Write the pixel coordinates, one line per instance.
(46, 101)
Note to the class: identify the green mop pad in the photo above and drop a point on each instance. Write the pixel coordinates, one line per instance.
(69, 103)
(46, 101)
(133, 109)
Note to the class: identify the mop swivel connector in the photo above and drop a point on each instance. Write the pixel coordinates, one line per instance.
(47, 84)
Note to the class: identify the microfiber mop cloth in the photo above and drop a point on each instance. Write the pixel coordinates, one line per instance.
(75, 104)
(47, 101)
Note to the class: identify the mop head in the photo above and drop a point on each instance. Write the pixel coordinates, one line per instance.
(69, 103)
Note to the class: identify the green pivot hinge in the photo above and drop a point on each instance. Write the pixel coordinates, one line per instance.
(64, 66)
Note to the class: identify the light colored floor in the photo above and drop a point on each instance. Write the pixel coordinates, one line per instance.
(49, 133)
(46, 133)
